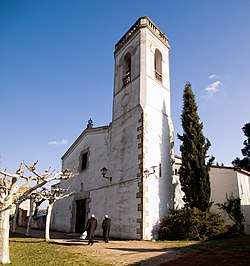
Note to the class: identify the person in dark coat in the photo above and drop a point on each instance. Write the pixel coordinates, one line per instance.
(106, 223)
(90, 228)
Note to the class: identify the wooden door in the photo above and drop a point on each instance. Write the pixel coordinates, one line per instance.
(80, 215)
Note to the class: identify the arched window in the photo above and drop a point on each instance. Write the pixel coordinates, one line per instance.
(158, 65)
(127, 69)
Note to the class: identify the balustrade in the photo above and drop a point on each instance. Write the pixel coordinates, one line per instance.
(126, 79)
(158, 76)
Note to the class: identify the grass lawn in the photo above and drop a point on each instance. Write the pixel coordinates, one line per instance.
(25, 251)
(233, 243)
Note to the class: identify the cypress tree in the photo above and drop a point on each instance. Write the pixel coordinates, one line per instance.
(194, 172)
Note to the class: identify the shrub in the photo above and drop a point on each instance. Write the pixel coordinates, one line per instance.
(233, 208)
(191, 224)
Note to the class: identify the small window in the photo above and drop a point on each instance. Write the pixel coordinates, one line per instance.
(83, 162)
(127, 69)
(158, 65)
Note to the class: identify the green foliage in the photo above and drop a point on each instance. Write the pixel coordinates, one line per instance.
(233, 208)
(245, 162)
(194, 172)
(191, 224)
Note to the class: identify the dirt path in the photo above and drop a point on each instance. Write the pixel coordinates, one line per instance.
(130, 252)
(116, 252)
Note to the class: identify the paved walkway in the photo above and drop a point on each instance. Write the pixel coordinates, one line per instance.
(212, 258)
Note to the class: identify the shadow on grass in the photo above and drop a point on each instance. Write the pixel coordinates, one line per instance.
(27, 242)
(237, 242)
(236, 247)
(18, 238)
(17, 235)
(143, 250)
(70, 242)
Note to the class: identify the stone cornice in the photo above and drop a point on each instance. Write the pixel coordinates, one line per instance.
(142, 22)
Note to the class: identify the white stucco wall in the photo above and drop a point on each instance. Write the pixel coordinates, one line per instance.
(159, 186)
(61, 214)
(88, 180)
(119, 202)
(117, 198)
(225, 181)
(155, 100)
(124, 162)
(244, 193)
(229, 181)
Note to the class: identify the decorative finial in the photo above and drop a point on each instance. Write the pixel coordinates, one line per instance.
(90, 124)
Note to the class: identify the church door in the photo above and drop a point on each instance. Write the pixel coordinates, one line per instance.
(80, 215)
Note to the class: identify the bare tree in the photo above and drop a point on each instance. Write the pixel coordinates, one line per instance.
(56, 193)
(14, 222)
(10, 192)
(34, 200)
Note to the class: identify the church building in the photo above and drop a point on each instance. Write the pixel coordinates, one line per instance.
(136, 148)
(126, 169)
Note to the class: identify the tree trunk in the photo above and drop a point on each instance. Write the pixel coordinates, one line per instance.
(13, 229)
(4, 234)
(47, 226)
(30, 216)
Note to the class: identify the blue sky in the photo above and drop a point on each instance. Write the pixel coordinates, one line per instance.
(57, 62)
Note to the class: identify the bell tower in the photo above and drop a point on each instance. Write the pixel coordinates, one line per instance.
(141, 138)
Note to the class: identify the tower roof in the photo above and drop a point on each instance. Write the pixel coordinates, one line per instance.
(141, 23)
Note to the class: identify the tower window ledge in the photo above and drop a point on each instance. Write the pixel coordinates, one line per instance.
(126, 79)
(158, 76)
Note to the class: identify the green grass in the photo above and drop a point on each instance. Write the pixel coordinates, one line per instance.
(26, 251)
(233, 243)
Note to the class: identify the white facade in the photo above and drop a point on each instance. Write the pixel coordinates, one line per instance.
(95, 143)
(136, 148)
(225, 181)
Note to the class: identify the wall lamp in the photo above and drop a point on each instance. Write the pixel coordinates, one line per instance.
(147, 173)
(104, 171)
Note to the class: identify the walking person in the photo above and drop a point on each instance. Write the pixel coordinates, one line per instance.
(106, 223)
(90, 228)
